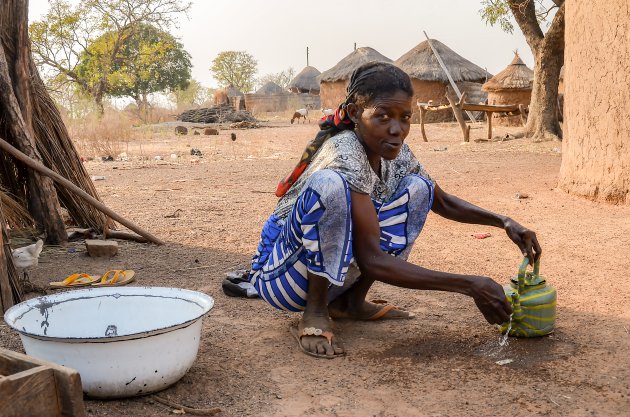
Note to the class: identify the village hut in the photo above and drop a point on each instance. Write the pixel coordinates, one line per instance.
(430, 82)
(513, 85)
(333, 82)
(306, 81)
(268, 98)
(230, 95)
(269, 88)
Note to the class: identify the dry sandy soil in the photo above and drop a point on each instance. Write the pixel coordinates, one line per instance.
(442, 363)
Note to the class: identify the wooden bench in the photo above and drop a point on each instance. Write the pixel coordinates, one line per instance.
(36, 388)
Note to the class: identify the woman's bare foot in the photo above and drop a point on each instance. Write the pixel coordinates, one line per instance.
(344, 308)
(314, 322)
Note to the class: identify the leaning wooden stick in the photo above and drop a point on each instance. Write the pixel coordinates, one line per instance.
(6, 146)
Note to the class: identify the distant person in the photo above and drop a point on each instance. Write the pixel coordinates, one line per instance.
(357, 197)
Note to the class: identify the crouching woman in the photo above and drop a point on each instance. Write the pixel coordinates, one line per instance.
(350, 213)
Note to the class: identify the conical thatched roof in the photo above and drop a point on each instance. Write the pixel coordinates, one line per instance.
(421, 64)
(515, 77)
(269, 88)
(232, 91)
(344, 68)
(306, 81)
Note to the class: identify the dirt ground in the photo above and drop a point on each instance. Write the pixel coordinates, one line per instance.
(442, 363)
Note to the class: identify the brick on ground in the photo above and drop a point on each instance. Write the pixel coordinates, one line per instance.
(101, 248)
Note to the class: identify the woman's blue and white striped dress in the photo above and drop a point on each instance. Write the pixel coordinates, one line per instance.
(316, 236)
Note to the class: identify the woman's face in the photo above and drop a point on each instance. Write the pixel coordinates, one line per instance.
(383, 124)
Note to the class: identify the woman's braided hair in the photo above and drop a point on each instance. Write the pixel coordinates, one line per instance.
(366, 83)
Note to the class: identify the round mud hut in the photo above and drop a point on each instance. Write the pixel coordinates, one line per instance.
(306, 82)
(270, 88)
(333, 82)
(230, 95)
(430, 82)
(513, 85)
(268, 98)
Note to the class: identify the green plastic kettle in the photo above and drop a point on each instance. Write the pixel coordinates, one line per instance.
(533, 303)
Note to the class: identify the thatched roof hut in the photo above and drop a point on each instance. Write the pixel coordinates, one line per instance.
(270, 88)
(306, 81)
(429, 80)
(230, 95)
(333, 82)
(268, 98)
(513, 85)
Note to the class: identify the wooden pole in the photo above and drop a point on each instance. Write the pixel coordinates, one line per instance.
(448, 74)
(40, 168)
(423, 111)
(457, 110)
(489, 117)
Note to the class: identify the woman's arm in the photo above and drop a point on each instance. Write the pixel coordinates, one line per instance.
(488, 295)
(454, 208)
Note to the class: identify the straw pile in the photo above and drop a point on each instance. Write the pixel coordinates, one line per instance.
(12, 274)
(59, 154)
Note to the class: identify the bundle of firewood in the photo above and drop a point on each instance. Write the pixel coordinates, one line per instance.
(217, 114)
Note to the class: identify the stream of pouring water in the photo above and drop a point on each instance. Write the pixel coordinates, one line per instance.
(503, 339)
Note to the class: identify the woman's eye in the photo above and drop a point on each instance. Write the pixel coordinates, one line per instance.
(406, 118)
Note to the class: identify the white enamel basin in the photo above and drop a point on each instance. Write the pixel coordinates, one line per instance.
(124, 341)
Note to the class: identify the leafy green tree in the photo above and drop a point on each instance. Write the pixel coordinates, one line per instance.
(282, 78)
(66, 32)
(148, 61)
(192, 96)
(236, 68)
(548, 50)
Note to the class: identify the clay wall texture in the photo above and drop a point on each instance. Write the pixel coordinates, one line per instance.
(596, 145)
(332, 93)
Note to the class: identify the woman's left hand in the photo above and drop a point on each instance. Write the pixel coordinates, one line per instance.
(525, 239)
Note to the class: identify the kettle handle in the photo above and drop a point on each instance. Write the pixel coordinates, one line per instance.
(536, 267)
(521, 273)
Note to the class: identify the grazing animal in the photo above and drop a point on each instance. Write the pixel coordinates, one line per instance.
(300, 113)
(328, 112)
(27, 257)
(181, 130)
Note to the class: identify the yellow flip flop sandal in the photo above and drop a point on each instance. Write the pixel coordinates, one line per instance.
(75, 280)
(115, 278)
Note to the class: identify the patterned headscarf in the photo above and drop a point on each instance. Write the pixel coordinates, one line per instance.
(329, 126)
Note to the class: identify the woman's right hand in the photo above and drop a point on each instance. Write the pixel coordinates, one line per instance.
(491, 300)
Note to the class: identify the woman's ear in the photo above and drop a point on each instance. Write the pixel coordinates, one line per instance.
(354, 112)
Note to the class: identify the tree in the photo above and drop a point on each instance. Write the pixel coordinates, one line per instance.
(548, 51)
(65, 33)
(236, 68)
(149, 61)
(193, 95)
(282, 78)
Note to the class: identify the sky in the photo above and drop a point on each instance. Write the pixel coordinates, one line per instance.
(277, 32)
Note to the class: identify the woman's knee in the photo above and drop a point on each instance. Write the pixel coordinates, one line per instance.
(420, 190)
(328, 184)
